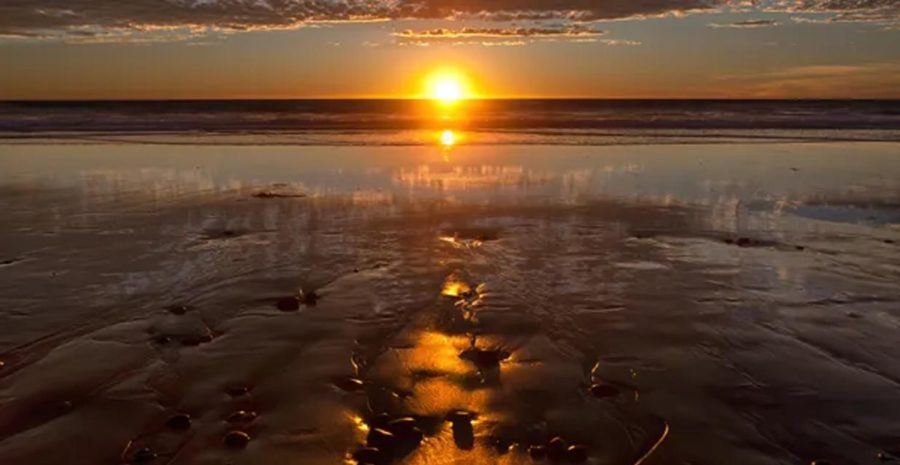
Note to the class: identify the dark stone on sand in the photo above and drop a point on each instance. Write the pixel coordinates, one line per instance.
(728, 240)
(179, 421)
(369, 455)
(237, 391)
(485, 359)
(2, 364)
(820, 462)
(888, 241)
(288, 304)
(381, 440)
(537, 452)
(884, 456)
(228, 233)
(577, 454)
(310, 298)
(178, 309)
(242, 416)
(463, 435)
(744, 242)
(799, 247)
(557, 448)
(406, 431)
(237, 439)
(349, 384)
(460, 416)
(162, 340)
(144, 455)
(603, 391)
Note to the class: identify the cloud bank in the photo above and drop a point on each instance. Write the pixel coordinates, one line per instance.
(107, 18)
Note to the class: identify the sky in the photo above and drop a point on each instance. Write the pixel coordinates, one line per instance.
(178, 49)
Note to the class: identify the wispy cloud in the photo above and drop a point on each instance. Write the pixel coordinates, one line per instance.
(747, 24)
(875, 80)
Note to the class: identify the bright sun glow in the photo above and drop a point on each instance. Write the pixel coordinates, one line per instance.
(448, 138)
(447, 87)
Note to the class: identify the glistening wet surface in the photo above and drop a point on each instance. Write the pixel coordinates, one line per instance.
(700, 304)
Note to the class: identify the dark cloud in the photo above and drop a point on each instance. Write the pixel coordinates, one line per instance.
(747, 24)
(574, 31)
(864, 11)
(140, 18)
(42, 17)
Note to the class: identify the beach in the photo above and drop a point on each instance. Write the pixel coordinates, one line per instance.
(655, 304)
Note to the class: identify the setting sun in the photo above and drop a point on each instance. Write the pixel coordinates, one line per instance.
(447, 87)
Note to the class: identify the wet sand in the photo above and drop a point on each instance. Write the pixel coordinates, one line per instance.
(701, 304)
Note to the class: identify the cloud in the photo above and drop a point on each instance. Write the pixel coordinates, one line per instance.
(132, 19)
(53, 18)
(747, 24)
(884, 12)
(870, 80)
(512, 36)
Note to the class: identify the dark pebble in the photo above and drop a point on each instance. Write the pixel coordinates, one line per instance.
(2, 364)
(888, 241)
(242, 416)
(744, 242)
(310, 298)
(603, 391)
(463, 434)
(370, 455)
(144, 455)
(288, 304)
(228, 233)
(485, 359)
(577, 454)
(237, 391)
(401, 425)
(460, 416)
(884, 456)
(237, 439)
(162, 340)
(537, 452)
(799, 247)
(179, 421)
(728, 241)
(196, 340)
(177, 309)
(381, 440)
(349, 384)
(557, 448)
(501, 445)
(820, 462)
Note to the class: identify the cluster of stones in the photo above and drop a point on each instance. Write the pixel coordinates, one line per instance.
(389, 439)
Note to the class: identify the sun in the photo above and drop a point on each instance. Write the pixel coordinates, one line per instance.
(447, 86)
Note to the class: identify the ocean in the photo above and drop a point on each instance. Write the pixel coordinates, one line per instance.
(413, 122)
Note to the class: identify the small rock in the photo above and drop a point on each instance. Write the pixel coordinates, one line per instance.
(349, 384)
(460, 416)
(242, 416)
(162, 339)
(501, 445)
(744, 242)
(179, 421)
(485, 359)
(406, 430)
(178, 309)
(603, 391)
(537, 452)
(888, 241)
(2, 364)
(381, 440)
(463, 433)
(577, 454)
(144, 455)
(820, 462)
(799, 247)
(288, 304)
(369, 455)
(237, 439)
(884, 456)
(310, 298)
(557, 448)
